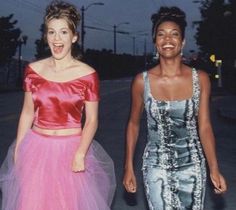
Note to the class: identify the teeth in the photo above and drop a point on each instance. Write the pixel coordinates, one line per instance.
(166, 46)
(58, 45)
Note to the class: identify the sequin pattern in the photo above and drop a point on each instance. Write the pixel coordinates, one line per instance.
(173, 162)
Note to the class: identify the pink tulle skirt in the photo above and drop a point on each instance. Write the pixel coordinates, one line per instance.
(42, 179)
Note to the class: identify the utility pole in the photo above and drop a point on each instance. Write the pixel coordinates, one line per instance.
(22, 40)
(83, 9)
(115, 31)
(114, 27)
(82, 30)
(134, 47)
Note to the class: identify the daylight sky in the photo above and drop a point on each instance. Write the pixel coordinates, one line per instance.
(29, 14)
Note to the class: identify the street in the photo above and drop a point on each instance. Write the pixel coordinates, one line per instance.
(113, 116)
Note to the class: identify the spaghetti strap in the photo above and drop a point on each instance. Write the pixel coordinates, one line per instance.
(196, 87)
(146, 84)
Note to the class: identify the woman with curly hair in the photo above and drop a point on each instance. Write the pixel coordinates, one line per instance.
(180, 136)
(55, 164)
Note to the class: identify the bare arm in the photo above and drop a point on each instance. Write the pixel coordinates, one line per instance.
(129, 180)
(89, 130)
(26, 119)
(207, 136)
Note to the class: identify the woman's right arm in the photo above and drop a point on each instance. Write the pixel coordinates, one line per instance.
(25, 121)
(129, 180)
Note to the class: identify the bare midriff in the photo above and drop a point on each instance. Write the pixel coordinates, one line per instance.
(58, 132)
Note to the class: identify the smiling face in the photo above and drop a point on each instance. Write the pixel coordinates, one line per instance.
(169, 41)
(60, 38)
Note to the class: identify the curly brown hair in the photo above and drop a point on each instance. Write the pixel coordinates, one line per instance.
(62, 10)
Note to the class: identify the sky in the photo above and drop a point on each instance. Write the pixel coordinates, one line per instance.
(29, 14)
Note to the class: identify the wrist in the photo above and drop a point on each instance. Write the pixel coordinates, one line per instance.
(128, 167)
(80, 154)
(214, 169)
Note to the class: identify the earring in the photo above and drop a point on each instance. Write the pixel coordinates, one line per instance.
(181, 53)
(157, 55)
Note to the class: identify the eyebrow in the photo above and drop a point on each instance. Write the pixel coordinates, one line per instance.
(171, 29)
(60, 28)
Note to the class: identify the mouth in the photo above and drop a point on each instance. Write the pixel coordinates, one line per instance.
(168, 46)
(57, 48)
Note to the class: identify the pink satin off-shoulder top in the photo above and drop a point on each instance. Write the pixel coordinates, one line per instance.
(60, 105)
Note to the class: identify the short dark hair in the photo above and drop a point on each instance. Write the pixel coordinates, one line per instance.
(173, 14)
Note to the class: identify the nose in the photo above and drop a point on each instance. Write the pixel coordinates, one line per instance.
(57, 36)
(167, 36)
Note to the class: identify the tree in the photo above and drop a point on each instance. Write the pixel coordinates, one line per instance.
(42, 48)
(216, 32)
(9, 36)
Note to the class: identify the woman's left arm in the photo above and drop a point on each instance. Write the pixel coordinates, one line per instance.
(206, 134)
(89, 130)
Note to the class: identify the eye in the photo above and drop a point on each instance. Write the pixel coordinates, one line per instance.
(175, 33)
(50, 32)
(64, 32)
(160, 33)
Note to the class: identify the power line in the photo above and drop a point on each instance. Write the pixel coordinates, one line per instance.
(107, 30)
(100, 22)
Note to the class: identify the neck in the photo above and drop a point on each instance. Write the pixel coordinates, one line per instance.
(171, 67)
(61, 64)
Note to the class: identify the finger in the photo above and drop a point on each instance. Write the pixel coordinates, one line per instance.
(78, 170)
(216, 184)
(127, 185)
(217, 191)
(217, 187)
(223, 184)
(132, 187)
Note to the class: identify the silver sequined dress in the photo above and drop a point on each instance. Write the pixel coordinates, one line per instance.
(173, 162)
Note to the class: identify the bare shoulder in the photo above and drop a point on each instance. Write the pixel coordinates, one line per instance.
(37, 66)
(84, 68)
(138, 83)
(138, 79)
(203, 77)
(205, 84)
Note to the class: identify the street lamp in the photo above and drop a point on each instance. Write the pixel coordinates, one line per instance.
(83, 9)
(114, 28)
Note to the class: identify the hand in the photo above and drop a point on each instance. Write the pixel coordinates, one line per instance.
(218, 182)
(78, 164)
(129, 181)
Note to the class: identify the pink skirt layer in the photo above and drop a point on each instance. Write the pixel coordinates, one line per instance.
(42, 178)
